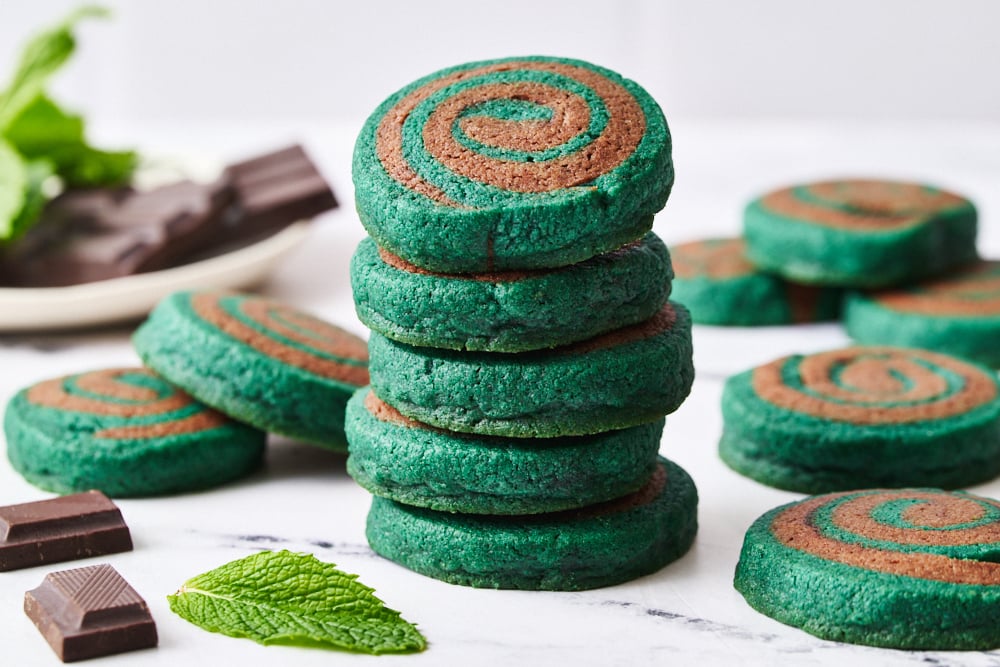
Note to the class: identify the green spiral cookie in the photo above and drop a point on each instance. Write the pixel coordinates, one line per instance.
(910, 568)
(595, 546)
(959, 314)
(258, 361)
(719, 286)
(126, 432)
(627, 377)
(399, 458)
(863, 417)
(519, 163)
(510, 311)
(860, 233)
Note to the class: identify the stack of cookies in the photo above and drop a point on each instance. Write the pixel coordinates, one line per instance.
(523, 348)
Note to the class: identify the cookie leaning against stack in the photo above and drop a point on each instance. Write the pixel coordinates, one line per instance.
(257, 360)
(523, 350)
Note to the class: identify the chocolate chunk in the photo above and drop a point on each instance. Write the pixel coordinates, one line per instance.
(80, 525)
(89, 612)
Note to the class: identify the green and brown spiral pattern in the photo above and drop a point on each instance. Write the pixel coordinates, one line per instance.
(128, 403)
(875, 385)
(717, 259)
(285, 334)
(925, 534)
(503, 131)
(974, 292)
(861, 205)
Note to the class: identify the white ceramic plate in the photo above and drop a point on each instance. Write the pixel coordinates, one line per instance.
(131, 297)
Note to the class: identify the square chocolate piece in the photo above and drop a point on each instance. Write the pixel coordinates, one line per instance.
(89, 612)
(50, 531)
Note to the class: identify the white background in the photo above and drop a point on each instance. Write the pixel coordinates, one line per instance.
(316, 59)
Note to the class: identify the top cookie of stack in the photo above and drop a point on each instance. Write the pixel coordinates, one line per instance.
(521, 163)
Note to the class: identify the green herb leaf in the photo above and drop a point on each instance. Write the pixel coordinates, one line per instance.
(13, 188)
(294, 599)
(44, 130)
(22, 193)
(41, 57)
(42, 124)
(35, 197)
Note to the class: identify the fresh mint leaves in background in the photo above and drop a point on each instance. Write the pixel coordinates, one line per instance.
(38, 172)
(42, 56)
(39, 139)
(280, 597)
(13, 187)
(45, 131)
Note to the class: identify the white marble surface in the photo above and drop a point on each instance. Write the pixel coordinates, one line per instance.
(303, 500)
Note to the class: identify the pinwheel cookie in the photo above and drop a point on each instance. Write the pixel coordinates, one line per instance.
(910, 569)
(860, 233)
(511, 311)
(959, 314)
(416, 464)
(520, 163)
(719, 285)
(863, 417)
(623, 378)
(595, 546)
(258, 361)
(126, 432)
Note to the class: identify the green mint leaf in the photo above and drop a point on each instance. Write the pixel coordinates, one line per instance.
(35, 197)
(42, 56)
(46, 131)
(87, 167)
(41, 125)
(22, 192)
(13, 188)
(280, 597)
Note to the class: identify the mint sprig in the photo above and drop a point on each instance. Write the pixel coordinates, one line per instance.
(13, 187)
(46, 131)
(280, 597)
(38, 138)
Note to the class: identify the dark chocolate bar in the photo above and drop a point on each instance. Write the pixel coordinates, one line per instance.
(80, 525)
(99, 234)
(89, 612)
(277, 189)
(119, 235)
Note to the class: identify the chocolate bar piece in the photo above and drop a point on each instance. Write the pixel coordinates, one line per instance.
(117, 234)
(166, 224)
(277, 189)
(108, 233)
(80, 525)
(89, 612)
